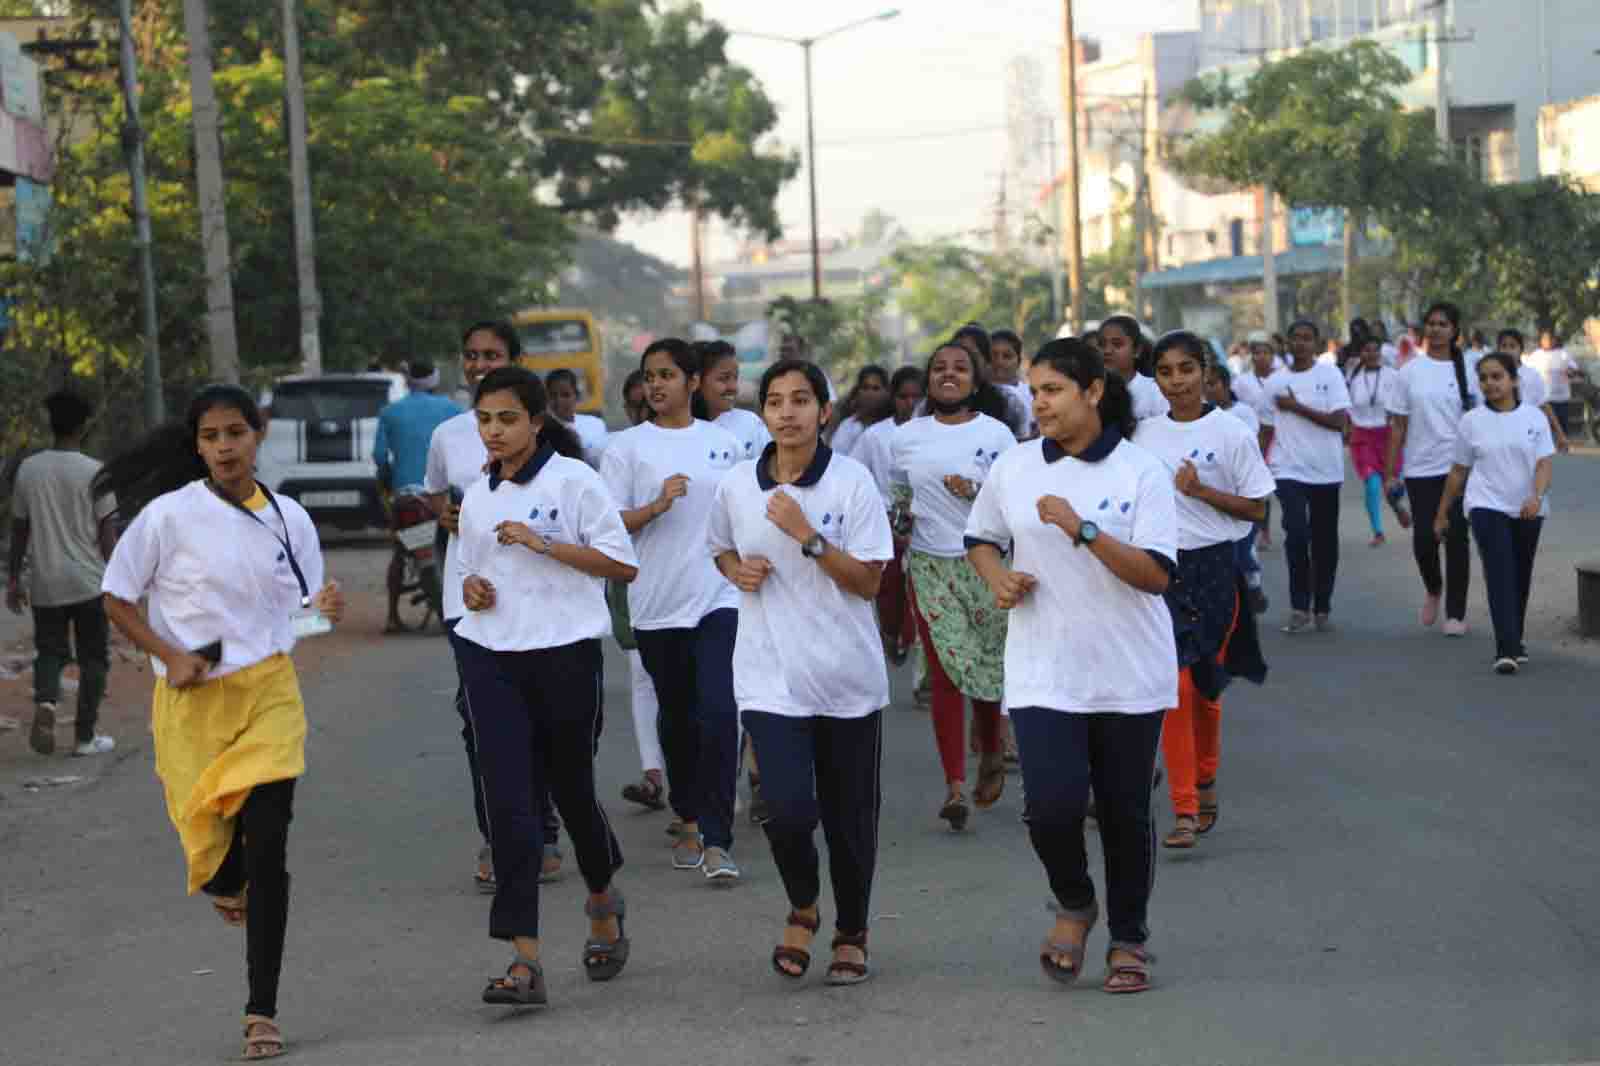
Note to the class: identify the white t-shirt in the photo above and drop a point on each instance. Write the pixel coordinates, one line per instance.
(1553, 364)
(678, 584)
(456, 458)
(213, 572)
(1083, 640)
(1503, 449)
(1369, 396)
(747, 428)
(1427, 393)
(844, 437)
(873, 452)
(592, 434)
(1019, 405)
(1302, 450)
(540, 603)
(1247, 414)
(1252, 389)
(922, 453)
(1147, 399)
(1531, 389)
(1225, 455)
(54, 494)
(806, 647)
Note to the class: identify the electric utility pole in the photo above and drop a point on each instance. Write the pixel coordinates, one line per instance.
(220, 328)
(305, 244)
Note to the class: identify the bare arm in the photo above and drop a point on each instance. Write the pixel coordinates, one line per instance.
(1557, 433)
(849, 573)
(1453, 486)
(184, 668)
(449, 514)
(106, 533)
(1133, 566)
(1542, 472)
(19, 546)
(1240, 507)
(1398, 426)
(640, 517)
(1265, 439)
(593, 561)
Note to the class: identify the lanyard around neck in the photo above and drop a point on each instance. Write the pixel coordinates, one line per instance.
(283, 541)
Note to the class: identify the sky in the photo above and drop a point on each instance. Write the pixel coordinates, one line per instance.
(910, 113)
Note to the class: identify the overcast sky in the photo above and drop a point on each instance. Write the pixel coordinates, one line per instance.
(910, 113)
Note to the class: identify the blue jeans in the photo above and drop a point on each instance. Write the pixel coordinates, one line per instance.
(1507, 546)
(1310, 543)
(692, 670)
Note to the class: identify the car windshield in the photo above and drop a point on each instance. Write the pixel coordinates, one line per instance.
(557, 335)
(317, 401)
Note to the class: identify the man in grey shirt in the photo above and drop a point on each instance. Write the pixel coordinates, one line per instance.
(71, 533)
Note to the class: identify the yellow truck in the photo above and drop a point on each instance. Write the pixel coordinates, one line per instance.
(554, 337)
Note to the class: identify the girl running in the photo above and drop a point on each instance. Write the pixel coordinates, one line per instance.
(1369, 383)
(1430, 394)
(938, 465)
(539, 536)
(719, 389)
(802, 532)
(864, 406)
(664, 474)
(895, 619)
(1219, 390)
(1127, 349)
(1502, 461)
(234, 575)
(1222, 487)
(1091, 523)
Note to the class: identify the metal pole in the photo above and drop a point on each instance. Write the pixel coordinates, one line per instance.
(220, 328)
(305, 243)
(695, 253)
(1074, 206)
(1441, 88)
(811, 173)
(1055, 224)
(1269, 259)
(155, 408)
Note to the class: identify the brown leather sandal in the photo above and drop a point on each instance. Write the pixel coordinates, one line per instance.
(1182, 835)
(956, 812)
(233, 910)
(796, 956)
(843, 971)
(1126, 977)
(262, 1038)
(991, 780)
(1208, 808)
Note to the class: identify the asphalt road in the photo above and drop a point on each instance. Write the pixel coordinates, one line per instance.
(1404, 872)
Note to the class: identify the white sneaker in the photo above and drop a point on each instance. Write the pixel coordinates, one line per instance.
(98, 746)
(1455, 627)
(719, 865)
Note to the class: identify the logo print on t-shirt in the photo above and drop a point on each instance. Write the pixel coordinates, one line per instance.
(1121, 505)
(534, 514)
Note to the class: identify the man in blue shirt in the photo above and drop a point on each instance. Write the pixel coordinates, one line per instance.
(406, 427)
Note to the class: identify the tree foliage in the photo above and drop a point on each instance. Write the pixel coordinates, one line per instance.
(841, 333)
(944, 285)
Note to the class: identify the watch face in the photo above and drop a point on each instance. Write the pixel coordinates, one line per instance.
(1088, 532)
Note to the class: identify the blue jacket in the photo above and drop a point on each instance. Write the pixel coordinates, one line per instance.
(405, 428)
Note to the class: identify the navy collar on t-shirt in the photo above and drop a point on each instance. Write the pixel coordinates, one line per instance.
(812, 474)
(1103, 446)
(529, 469)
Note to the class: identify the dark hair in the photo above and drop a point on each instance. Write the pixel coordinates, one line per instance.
(1189, 344)
(985, 399)
(1072, 358)
(805, 367)
(1511, 367)
(1316, 330)
(851, 408)
(904, 374)
(1142, 348)
(1513, 334)
(1453, 313)
(504, 330)
(979, 335)
(1224, 373)
(530, 392)
(1006, 336)
(687, 359)
(635, 377)
(68, 412)
(713, 352)
(419, 368)
(560, 373)
(167, 458)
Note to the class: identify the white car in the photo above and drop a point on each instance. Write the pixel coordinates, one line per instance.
(319, 444)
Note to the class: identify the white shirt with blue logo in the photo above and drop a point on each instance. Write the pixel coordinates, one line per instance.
(747, 428)
(922, 453)
(1302, 450)
(678, 585)
(806, 647)
(1428, 393)
(539, 602)
(1503, 449)
(1083, 641)
(1226, 456)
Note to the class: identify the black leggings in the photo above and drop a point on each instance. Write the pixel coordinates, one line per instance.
(1425, 493)
(258, 858)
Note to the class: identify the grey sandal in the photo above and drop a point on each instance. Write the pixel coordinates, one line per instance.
(843, 971)
(1074, 951)
(518, 990)
(604, 959)
(1125, 977)
(265, 1042)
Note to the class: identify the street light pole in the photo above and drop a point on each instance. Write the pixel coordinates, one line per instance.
(805, 44)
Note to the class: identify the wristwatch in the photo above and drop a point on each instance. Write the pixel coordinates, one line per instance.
(1087, 532)
(814, 546)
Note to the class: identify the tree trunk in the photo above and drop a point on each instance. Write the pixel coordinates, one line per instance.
(220, 328)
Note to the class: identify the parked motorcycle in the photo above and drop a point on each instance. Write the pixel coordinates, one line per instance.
(415, 594)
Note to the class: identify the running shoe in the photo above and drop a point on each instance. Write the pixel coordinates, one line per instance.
(96, 745)
(689, 853)
(1455, 627)
(1299, 622)
(42, 735)
(1377, 541)
(719, 866)
(1521, 656)
(1505, 665)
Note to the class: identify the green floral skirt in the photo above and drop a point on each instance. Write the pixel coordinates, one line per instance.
(968, 630)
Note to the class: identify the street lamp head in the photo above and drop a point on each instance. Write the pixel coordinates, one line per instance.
(893, 12)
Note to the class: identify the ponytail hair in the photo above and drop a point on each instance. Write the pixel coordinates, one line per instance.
(168, 458)
(530, 392)
(687, 358)
(1076, 360)
(1511, 366)
(1453, 313)
(1129, 327)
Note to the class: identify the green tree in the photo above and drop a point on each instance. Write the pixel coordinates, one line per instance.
(943, 285)
(842, 333)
